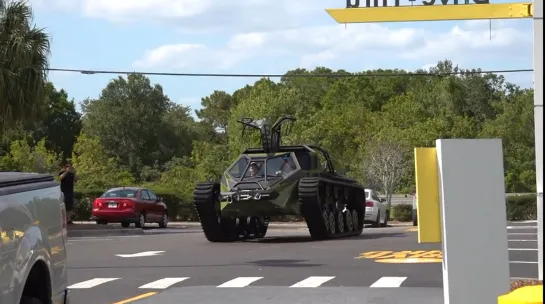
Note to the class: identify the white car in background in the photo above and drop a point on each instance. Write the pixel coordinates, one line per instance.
(376, 210)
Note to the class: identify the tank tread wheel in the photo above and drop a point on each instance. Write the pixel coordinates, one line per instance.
(312, 191)
(214, 227)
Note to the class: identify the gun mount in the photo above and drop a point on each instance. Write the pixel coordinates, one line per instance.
(271, 136)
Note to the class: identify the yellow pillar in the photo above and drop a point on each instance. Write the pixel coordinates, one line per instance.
(427, 195)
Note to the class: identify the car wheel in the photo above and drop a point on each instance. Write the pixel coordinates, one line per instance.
(125, 224)
(376, 223)
(164, 221)
(386, 219)
(29, 300)
(141, 221)
(102, 222)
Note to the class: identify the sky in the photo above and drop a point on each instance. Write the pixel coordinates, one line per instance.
(256, 37)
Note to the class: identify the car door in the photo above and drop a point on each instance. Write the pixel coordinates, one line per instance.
(156, 205)
(147, 205)
(380, 205)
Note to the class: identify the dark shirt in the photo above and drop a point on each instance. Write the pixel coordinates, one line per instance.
(67, 184)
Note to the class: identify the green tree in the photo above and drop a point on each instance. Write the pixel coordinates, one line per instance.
(24, 51)
(129, 120)
(95, 169)
(30, 158)
(61, 124)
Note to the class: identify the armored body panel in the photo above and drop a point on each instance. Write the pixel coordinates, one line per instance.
(279, 180)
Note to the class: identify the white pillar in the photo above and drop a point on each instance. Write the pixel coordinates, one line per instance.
(473, 227)
(538, 116)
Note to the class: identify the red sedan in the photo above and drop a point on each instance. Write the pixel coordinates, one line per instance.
(128, 205)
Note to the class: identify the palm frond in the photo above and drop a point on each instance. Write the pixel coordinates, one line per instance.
(24, 58)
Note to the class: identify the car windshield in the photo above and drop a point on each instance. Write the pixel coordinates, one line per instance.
(120, 193)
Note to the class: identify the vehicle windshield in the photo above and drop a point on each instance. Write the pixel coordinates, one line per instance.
(238, 169)
(281, 165)
(120, 193)
(255, 170)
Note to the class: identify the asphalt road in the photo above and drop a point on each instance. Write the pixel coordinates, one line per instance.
(181, 266)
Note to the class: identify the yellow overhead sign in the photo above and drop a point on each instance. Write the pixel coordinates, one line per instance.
(430, 12)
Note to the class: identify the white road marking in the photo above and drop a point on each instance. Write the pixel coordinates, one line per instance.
(522, 240)
(521, 227)
(140, 254)
(388, 282)
(240, 282)
(522, 233)
(98, 238)
(91, 283)
(519, 278)
(522, 262)
(312, 282)
(163, 283)
(523, 249)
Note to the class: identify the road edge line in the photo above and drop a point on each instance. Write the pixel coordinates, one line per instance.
(142, 296)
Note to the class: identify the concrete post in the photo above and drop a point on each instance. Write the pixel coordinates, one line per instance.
(538, 117)
(473, 230)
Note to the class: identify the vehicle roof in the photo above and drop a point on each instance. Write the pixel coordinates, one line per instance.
(17, 178)
(127, 188)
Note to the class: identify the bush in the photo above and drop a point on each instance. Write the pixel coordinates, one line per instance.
(521, 207)
(402, 212)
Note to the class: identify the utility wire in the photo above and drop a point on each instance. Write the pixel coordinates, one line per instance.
(467, 72)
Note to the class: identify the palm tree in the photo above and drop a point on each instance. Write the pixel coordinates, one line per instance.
(24, 51)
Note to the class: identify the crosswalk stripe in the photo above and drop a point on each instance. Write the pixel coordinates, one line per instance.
(240, 282)
(163, 283)
(91, 283)
(388, 282)
(312, 282)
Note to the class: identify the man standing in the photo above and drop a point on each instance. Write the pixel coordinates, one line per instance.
(68, 178)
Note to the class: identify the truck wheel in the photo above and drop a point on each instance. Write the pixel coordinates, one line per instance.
(29, 300)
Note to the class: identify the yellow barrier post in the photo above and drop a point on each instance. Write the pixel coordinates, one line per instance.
(427, 194)
(523, 295)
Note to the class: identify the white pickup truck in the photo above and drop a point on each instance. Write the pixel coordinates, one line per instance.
(33, 240)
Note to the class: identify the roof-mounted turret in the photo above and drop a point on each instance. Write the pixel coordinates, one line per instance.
(270, 135)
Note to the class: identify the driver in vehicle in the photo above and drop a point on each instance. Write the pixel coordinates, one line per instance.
(253, 170)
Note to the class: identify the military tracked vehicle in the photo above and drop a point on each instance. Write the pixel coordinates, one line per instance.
(277, 180)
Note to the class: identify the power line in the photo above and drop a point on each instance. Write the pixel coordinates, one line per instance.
(93, 72)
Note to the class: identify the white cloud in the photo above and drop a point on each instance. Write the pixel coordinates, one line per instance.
(132, 10)
(466, 42)
(199, 15)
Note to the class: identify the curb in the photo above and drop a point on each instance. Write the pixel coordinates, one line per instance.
(272, 225)
(104, 232)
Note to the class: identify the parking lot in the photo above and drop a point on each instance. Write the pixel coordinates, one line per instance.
(162, 265)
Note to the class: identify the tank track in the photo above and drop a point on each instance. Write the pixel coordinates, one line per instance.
(222, 229)
(331, 208)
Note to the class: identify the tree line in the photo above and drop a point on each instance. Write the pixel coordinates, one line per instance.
(133, 134)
